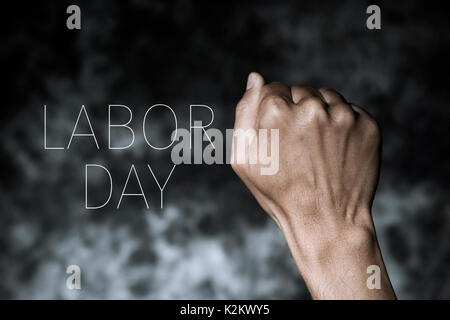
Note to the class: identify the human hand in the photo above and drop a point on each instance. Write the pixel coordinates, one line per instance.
(322, 193)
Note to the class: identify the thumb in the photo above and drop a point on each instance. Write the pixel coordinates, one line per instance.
(247, 107)
(255, 81)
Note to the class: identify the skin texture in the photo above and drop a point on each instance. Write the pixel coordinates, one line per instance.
(321, 196)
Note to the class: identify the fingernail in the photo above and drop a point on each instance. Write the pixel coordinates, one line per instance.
(251, 80)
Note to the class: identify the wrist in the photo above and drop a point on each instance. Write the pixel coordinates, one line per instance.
(333, 257)
(324, 246)
(316, 235)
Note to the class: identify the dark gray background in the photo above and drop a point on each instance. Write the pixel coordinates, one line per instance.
(211, 240)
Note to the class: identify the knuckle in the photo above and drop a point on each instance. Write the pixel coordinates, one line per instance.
(372, 128)
(273, 102)
(313, 103)
(306, 89)
(273, 109)
(276, 84)
(269, 120)
(327, 90)
(313, 109)
(331, 92)
(343, 115)
(268, 89)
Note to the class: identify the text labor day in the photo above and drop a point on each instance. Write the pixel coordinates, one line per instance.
(187, 145)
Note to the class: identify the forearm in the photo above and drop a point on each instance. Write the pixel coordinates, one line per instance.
(334, 261)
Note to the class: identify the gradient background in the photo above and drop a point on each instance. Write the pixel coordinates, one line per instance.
(211, 240)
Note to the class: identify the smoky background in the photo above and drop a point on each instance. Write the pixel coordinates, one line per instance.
(211, 240)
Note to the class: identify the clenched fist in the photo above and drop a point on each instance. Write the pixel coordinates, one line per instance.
(322, 193)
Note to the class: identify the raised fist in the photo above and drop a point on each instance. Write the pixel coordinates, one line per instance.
(322, 193)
